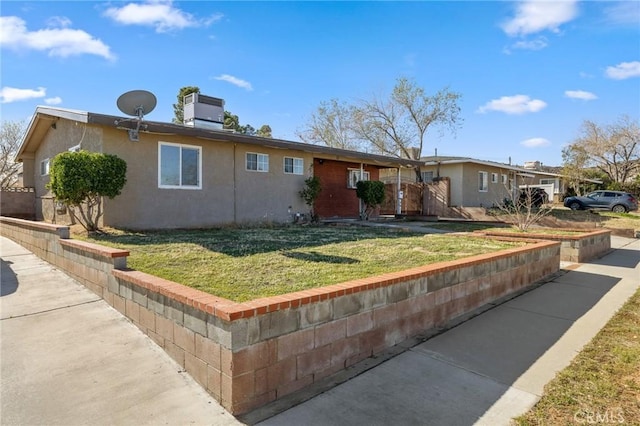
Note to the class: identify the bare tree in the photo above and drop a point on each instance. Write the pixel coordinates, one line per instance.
(525, 207)
(398, 125)
(613, 149)
(395, 125)
(10, 137)
(331, 125)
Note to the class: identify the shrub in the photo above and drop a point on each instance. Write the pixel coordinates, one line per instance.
(81, 179)
(371, 193)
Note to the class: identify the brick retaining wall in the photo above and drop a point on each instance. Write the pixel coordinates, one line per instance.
(248, 354)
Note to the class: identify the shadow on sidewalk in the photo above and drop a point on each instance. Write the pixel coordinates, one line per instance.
(457, 376)
(625, 258)
(8, 279)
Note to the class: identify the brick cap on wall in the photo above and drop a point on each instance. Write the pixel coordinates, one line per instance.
(230, 311)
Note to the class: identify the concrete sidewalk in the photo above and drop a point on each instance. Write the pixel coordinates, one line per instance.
(68, 358)
(486, 370)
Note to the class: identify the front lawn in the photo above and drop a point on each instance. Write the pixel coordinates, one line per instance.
(242, 264)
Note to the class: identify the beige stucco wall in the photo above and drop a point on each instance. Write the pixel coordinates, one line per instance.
(465, 184)
(64, 136)
(229, 193)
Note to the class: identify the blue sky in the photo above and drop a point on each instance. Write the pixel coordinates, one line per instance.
(529, 72)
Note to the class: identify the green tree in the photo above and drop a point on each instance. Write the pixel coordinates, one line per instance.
(81, 179)
(310, 193)
(10, 136)
(371, 192)
(264, 131)
(178, 108)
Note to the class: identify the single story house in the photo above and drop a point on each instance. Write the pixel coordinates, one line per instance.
(463, 186)
(181, 176)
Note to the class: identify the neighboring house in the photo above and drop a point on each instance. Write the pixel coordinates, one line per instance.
(458, 183)
(190, 177)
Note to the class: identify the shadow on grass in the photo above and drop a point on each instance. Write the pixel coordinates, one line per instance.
(314, 256)
(239, 242)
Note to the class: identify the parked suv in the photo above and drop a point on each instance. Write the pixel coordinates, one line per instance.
(616, 201)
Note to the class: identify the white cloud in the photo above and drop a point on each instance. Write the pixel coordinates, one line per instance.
(61, 41)
(518, 104)
(624, 70)
(580, 94)
(57, 100)
(235, 81)
(535, 143)
(12, 94)
(623, 13)
(161, 15)
(537, 44)
(535, 16)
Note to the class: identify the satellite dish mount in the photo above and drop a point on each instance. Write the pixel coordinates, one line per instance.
(136, 103)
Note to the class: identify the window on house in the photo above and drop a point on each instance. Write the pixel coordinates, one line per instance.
(427, 176)
(179, 166)
(44, 167)
(483, 182)
(505, 179)
(494, 178)
(293, 165)
(354, 177)
(257, 162)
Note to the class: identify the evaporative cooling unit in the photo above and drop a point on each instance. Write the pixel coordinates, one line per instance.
(203, 111)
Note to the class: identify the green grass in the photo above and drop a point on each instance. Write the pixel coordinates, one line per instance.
(602, 382)
(241, 264)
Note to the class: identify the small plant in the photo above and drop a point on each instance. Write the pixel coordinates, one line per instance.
(81, 179)
(372, 195)
(310, 193)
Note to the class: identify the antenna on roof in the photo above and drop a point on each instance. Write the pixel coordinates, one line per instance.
(136, 103)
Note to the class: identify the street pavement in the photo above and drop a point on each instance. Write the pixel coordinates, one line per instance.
(68, 358)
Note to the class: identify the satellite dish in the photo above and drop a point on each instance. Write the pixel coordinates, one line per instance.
(137, 103)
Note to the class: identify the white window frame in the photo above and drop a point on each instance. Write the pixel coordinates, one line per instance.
(44, 167)
(427, 176)
(180, 185)
(262, 162)
(505, 179)
(353, 177)
(483, 181)
(494, 178)
(296, 163)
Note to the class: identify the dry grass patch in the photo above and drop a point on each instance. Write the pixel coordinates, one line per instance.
(242, 264)
(602, 384)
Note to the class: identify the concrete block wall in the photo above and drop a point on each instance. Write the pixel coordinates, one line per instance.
(249, 354)
(579, 248)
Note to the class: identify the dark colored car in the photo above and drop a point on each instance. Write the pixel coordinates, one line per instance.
(616, 201)
(536, 196)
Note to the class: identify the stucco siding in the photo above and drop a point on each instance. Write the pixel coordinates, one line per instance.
(473, 196)
(229, 193)
(65, 135)
(271, 196)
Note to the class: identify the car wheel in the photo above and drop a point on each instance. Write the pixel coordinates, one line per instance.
(619, 208)
(575, 206)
